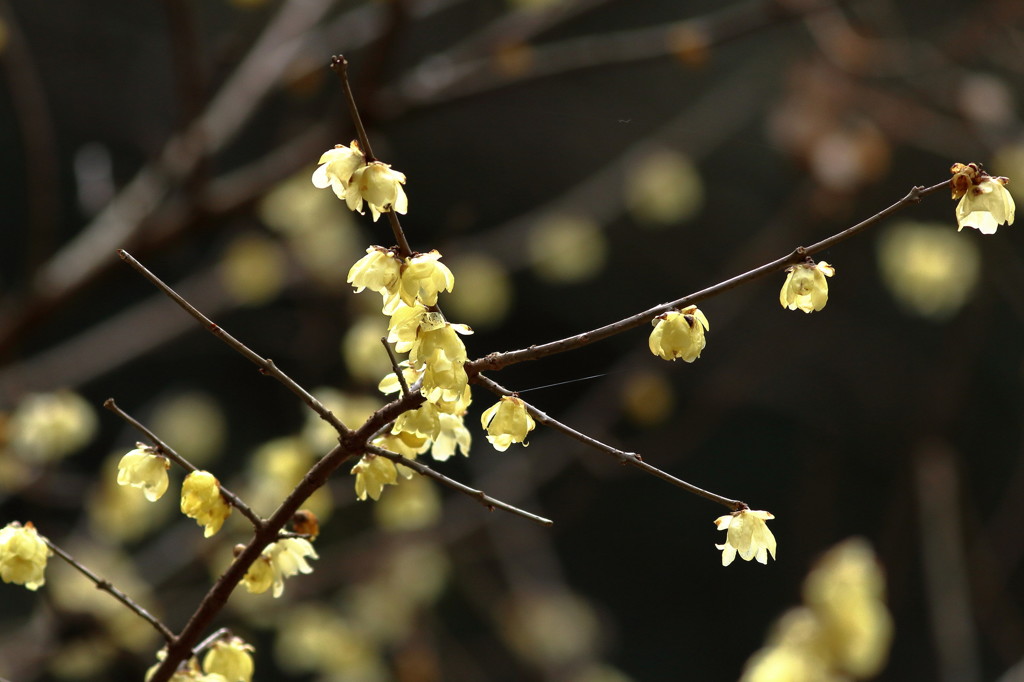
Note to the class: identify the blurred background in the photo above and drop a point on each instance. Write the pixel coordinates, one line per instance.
(576, 161)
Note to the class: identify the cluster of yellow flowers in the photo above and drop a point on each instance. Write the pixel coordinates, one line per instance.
(345, 170)
(227, 660)
(842, 631)
(409, 287)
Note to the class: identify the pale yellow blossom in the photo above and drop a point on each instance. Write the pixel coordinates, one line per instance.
(231, 658)
(372, 474)
(379, 270)
(143, 468)
(380, 187)
(337, 166)
(806, 287)
(453, 434)
(424, 276)
(679, 334)
(985, 206)
(23, 555)
(748, 536)
(202, 500)
(507, 421)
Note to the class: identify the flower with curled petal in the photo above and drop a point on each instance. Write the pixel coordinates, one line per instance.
(805, 286)
(143, 468)
(23, 555)
(231, 658)
(372, 474)
(380, 187)
(985, 206)
(507, 421)
(747, 535)
(424, 276)
(679, 334)
(337, 166)
(379, 270)
(202, 500)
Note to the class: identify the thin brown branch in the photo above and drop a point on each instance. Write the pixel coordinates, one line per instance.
(486, 500)
(630, 458)
(165, 449)
(265, 365)
(340, 66)
(117, 594)
(394, 365)
(496, 361)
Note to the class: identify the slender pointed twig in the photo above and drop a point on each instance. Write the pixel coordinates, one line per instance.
(394, 365)
(217, 634)
(496, 361)
(340, 66)
(165, 449)
(107, 587)
(266, 365)
(480, 496)
(630, 458)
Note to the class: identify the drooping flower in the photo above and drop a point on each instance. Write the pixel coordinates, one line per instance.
(453, 434)
(406, 323)
(424, 276)
(507, 421)
(231, 658)
(277, 561)
(423, 421)
(380, 187)
(288, 558)
(337, 166)
(985, 206)
(201, 500)
(143, 468)
(23, 555)
(378, 271)
(679, 334)
(806, 287)
(372, 474)
(748, 536)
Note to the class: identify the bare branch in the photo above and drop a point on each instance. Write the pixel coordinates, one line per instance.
(486, 500)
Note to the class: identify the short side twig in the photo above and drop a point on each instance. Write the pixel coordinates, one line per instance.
(164, 449)
(266, 365)
(483, 498)
(394, 365)
(107, 587)
(630, 458)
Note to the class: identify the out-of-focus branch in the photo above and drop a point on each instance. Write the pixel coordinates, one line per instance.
(496, 361)
(630, 458)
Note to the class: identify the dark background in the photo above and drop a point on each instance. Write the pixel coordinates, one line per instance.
(867, 418)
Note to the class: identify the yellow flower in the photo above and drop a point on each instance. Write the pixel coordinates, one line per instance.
(288, 558)
(453, 434)
(378, 271)
(424, 277)
(201, 500)
(23, 554)
(142, 468)
(748, 535)
(806, 287)
(423, 421)
(380, 187)
(337, 167)
(230, 658)
(679, 334)
(985, 206)
(405, 323)
(260, 575)
(372, 474)
(507, 421)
